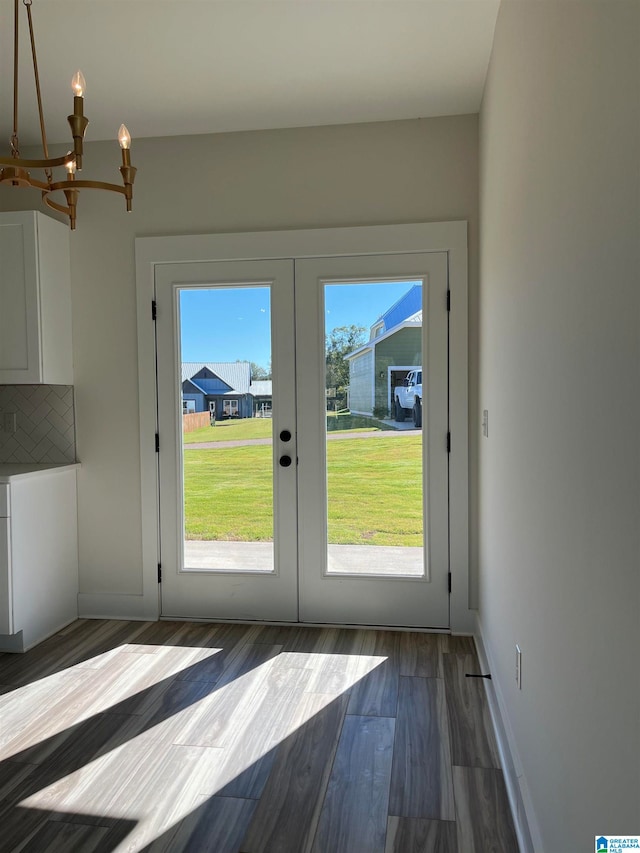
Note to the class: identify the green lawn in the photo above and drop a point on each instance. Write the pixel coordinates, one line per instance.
(342, 423)
(231, 431)
(375, 493)
(261, 428)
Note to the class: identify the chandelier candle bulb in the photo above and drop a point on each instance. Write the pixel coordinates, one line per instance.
(78, 84)
(124, 137)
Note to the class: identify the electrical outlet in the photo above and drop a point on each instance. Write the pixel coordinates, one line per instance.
(485, 423)
(518, 667)
(8, 422)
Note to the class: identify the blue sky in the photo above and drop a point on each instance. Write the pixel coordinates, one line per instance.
(230, 324)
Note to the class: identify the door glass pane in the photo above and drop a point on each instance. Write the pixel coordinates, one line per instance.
(373, 387)
(226, 394)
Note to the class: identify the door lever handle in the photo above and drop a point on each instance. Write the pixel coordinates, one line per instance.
(285, 461)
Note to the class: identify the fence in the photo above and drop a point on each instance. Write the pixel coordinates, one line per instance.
(195, 420)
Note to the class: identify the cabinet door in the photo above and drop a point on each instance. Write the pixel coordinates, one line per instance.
(35, 301)
(20, 355)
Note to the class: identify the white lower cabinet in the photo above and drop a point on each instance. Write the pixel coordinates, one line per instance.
(38, 553)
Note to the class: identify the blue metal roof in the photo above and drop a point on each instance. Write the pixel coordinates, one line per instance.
(404, 308)
(196, 388)
(235, 374)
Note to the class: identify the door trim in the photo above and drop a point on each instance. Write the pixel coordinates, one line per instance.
(449, 237)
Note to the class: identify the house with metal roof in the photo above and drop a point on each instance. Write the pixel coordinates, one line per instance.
(262, 393)
(223, 388)
(394, 347)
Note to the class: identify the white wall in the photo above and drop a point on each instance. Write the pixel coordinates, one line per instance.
(559, 356)
(363, 174)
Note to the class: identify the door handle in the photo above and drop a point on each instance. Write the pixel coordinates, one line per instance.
(285, 461)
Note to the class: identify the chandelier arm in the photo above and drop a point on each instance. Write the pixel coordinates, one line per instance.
(54, 204)
(71, 188)
(43, 131)
(37, 164)
(87, 185)
(40, 185)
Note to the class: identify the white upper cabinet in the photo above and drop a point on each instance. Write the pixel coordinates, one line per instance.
(35, 300)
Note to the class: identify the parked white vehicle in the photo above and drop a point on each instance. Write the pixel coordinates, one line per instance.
(407, 398)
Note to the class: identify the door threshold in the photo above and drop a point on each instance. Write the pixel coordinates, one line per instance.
(264, 623)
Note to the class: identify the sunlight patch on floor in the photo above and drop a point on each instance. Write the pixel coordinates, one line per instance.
(198, 750)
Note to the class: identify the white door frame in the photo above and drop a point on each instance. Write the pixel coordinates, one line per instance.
(449, 237)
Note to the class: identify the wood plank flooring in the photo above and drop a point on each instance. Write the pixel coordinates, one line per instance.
(167, 737)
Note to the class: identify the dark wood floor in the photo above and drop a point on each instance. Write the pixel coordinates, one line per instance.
(240, 739)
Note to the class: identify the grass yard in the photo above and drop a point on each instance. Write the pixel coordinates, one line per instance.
(261, 428)
(228, 494)
(231, 431)
(375, 492)
(342, 423)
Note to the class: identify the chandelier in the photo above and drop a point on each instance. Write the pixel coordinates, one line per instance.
(15, 170)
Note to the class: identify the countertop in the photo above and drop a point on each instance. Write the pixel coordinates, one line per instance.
(14, 471)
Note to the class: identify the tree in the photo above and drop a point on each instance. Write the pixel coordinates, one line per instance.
(258, 372)
(339, 343)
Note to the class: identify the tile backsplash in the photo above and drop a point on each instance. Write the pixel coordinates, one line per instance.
(44, 420)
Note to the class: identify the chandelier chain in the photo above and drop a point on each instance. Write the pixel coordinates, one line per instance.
(43, 131)
(14, 137)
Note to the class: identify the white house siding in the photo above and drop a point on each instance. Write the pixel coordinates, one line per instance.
(360, 385)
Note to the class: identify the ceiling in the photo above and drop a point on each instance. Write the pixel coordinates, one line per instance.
(169, 67)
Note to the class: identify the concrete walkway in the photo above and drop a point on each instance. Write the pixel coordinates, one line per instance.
(343, 559)
(247, 442)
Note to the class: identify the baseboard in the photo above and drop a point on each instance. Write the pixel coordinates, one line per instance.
(18, 643)
(113, 606)
(524, 819)
(12, 643)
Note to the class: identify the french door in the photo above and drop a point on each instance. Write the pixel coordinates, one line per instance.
(228, 513)
(307, 498)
